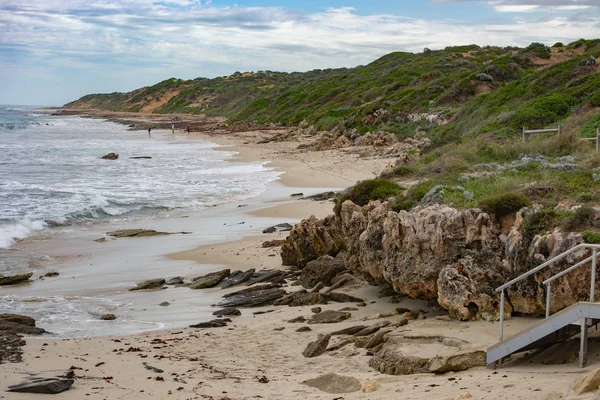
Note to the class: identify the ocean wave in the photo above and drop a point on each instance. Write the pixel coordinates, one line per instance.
(9, 234)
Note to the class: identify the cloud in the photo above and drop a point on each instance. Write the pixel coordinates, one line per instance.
(147, 41)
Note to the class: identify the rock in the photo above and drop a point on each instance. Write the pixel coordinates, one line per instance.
(14, 279)
(334, 383)
(348, 309)
(285, 227)
(301, 298)
(377, 339)
(296, 194)
(371, 386)
(281, 328)
(164, 304)
(229, 311)
(178, 280)
(316, 348)
(273, 243)
(215, 323)
(304, 329)
(110, 156)
(17, 319)
(317, 288)
(135, 233)
(297, 319)
(391, 360)
(555, 396)
(238, 279)
(321, 270)
(457, 362)
(141, 158)
(108, 317)
(253, 289)
(589, 61)
(10, 347)
(344, 298)
(267, 275)
(316, 310)
(51, 274)
(100, 240)
(151, 284)
(16, 323)
(373, 328)
(42, 385)
(464, 396)
(349, 331)
(253, 298)
(321, 196)
(209, 280)
(329, 317)
(587, 383)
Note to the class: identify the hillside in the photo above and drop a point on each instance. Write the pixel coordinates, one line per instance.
(462, 90)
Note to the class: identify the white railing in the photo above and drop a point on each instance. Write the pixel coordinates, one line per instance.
(597, 139)
(548, 282)
(531, 131)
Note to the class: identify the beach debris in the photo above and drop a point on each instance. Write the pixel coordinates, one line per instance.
(150, 284)
(273, 243)
(110, 156)
(301, 298)
(14, 279)
(215, 323)
(343, 297)
(16, 323)
(237, 278)
(304, 329)
(108, 317)
(320, 196)
(164, 304)
(371, 386)
(272, 275)
(209, 280)
(316, 310)
(97, 365)
(42, 385)
(141, 158)
(329, 317)
(178, 280)
(253, 298)
(587, 383)
(122, 233)
(318, 347)
(334, 383)
(373, 328)
(229, 311)
(262, 379)
(284, 227)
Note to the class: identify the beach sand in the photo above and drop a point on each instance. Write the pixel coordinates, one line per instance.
(249, 359)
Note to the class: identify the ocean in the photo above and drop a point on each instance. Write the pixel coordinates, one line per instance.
(53, 180)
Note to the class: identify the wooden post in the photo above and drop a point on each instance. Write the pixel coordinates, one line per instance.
(524, 128)
(597, 138)
(559, 130)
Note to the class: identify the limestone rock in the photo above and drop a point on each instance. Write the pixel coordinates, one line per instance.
(273, 243)
(238, 278)
(589, 382)
(253, 298)
(329, 317)
(372, 329)
(14, 279)
(285, 227)
(371, 386)
(458, 362)
(316, 348)
(555, 396)
(464, 396)
(267, 275)
(16, 323)
(150, 284)
(215, 323)
(301, 298)
(350, 330)
(42, 385)
(122, 233)
(229, 311)
(321, 270)
(304, 329)
(209, 280)
(178, 280)
(110, 156)
(344, 298)
(334, 383)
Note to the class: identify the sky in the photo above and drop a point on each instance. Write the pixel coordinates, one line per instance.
(55, 51)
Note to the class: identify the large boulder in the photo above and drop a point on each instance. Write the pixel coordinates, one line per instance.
(321, 270)
(15, 323)
(14, 279)
(209, 280)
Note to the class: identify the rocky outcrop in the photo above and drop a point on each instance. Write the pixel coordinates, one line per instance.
(151, 284)
(14, 279)
(321, 270)
(110, 156)
(16, 323)
(316, 348)
(209, 280)
(253, 298)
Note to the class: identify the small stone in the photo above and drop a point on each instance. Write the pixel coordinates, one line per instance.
(371, 386)
(316, 310)
(334, 384)
(279, 329)
(304, 329)
(108, 317)
(164, 304)
(318, 347)
(464, 396)
(228, 311)
(297, 320)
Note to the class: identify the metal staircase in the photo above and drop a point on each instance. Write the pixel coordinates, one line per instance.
(563, 325)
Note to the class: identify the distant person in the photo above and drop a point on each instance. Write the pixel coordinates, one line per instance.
(149, 129)
(173, 128)
(188, 129)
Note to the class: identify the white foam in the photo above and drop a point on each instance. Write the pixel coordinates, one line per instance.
(9, 234)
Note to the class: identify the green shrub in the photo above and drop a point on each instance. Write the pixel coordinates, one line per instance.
(540, 222)
(578, 220)
(404, 170)
(558, 44)
(365, 191)
(591, 237)
(504, 204)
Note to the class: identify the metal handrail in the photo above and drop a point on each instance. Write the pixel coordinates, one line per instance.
(548, 282)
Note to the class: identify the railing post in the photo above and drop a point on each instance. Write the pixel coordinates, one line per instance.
(593, 284)
(502, 315)
(583, 345)
(558, 130)
(548, 299)
(597, 138)
(524, 128)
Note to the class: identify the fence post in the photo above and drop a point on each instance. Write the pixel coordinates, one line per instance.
(559, 130)
(524, 128)
(597, 138)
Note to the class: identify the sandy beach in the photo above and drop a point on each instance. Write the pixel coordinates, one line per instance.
(260, 356)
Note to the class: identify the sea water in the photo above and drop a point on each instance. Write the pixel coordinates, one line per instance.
(53, 179)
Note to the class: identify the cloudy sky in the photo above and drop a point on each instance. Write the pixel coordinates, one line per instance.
(54, 51)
